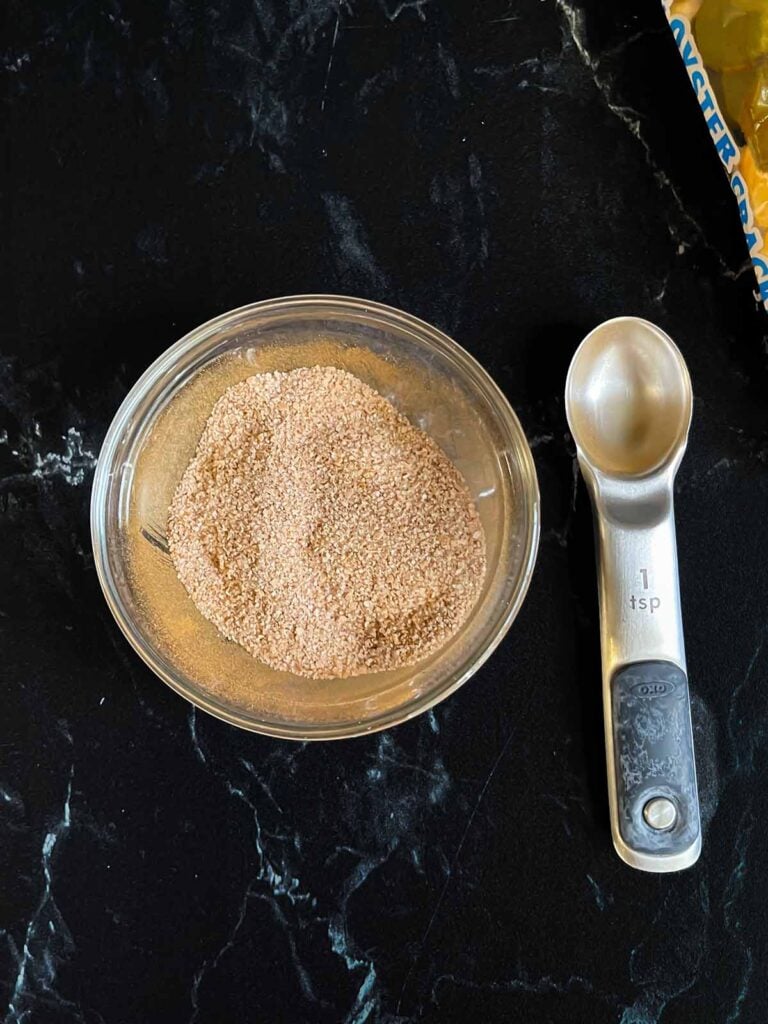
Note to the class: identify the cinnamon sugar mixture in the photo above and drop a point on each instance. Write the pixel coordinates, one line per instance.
(320, 529)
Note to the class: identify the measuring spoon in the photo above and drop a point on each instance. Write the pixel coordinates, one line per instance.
(628, 401)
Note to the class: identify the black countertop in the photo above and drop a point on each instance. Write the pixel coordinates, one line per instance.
(513, 172)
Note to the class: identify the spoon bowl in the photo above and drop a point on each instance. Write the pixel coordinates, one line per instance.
(628, 398)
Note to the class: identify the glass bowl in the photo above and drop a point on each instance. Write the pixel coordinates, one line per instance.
(433, 381)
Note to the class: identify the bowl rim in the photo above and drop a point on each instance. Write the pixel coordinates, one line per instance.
(104, 474)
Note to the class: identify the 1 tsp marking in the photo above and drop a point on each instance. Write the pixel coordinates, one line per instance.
(644, 604)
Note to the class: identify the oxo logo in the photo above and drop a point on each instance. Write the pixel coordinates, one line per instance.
(652, 689)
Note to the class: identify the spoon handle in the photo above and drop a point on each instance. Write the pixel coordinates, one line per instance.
(649, 742)
(657, 808)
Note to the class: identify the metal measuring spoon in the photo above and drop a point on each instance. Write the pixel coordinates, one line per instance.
(628, 401)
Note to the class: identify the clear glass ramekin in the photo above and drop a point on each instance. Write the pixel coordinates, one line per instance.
(432, 380)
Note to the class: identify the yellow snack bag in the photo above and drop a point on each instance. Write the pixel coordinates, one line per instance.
(724, 47)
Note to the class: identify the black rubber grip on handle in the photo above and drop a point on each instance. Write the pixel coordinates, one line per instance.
(653, 755)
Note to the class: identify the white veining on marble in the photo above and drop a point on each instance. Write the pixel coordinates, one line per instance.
(734, 1015)
(212, 962)
(453, 865)
(344, 947)
(476, 185)
(451, 71)
(305, 981)
(545, 985)
(334, 38)
(355, 260)
(602, 898)
(561, 534)
(72, 465)
(47, 939)
(384, 819)
(417, 6)
(666, 963)
(745, 733)
(193, 735)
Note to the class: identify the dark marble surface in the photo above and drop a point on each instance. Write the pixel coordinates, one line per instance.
(514, 172)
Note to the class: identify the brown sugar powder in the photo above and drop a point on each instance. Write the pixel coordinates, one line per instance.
(322, 531)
